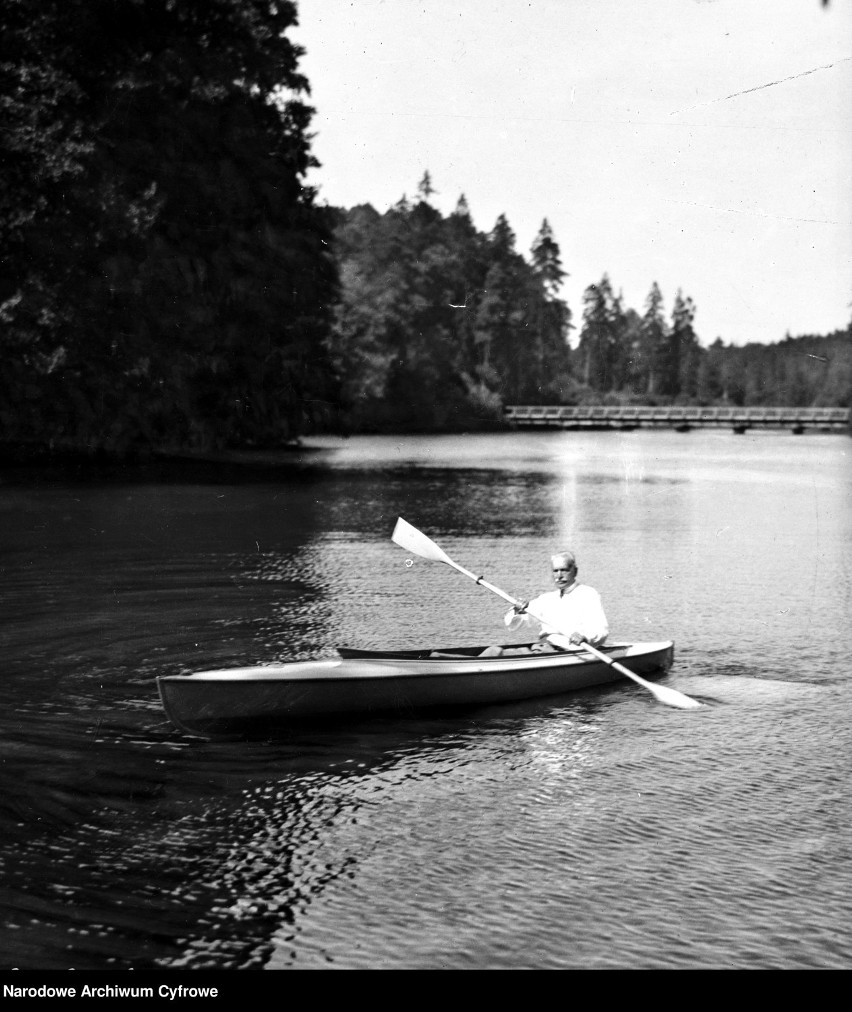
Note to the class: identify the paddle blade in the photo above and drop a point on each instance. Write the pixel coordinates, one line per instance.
(674, 698)
(671, 697)
(412, 540)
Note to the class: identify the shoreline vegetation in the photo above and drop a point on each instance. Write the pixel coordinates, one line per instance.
(170, 284)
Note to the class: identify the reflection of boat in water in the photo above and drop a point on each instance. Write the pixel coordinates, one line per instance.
(360, 682)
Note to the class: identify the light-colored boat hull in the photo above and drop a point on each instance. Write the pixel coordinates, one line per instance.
(224, 701)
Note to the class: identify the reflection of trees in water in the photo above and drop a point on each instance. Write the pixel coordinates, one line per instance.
(291, 628)
(143, 869)
(264, 864)
(351, 585)
(274, 854)
(211, 856)
(451, 497)
(71, 805)
(443, 834)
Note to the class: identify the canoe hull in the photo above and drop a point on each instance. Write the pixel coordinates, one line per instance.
(230, 700)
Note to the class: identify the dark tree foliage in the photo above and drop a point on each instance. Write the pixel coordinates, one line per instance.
(501, 315)
(167, 279)
(681, 368)
(711, 388)
(548, 374)
(805, 371)
(622, 357)
(630, 365)
(394, 341)
(599, 336)
(655, 343)
(546, 260)
(440, 325)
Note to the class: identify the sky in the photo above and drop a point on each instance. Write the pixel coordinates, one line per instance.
(705, 145)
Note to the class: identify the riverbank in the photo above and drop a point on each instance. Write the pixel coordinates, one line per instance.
(22, 464)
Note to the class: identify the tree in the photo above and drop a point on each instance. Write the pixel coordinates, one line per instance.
(186, 295)
(549, 319)
(655, 346)
(681, 375)
(599, 346)
(471, 260)
(710, 382)
(546, 263)
(630, 372)
(425, 188)
(439, 322)
(462, 209)
(400, 334)
(44, 147)
(501, 324)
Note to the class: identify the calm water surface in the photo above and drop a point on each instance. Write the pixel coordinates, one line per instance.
(594, 830)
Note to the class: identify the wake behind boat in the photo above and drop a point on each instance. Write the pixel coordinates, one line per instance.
(365, 682)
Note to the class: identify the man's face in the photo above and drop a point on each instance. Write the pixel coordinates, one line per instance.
(564, 571)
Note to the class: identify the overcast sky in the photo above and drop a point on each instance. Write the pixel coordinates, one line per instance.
(702, 144)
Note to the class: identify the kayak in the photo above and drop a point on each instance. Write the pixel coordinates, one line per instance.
(365, 682)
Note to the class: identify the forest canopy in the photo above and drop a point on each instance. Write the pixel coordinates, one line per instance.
(165, 274)
(442, 326)
(169, 280)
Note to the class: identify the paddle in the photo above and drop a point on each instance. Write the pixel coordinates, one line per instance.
(415, 541)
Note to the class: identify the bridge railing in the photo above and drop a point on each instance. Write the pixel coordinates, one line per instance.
(627, 416)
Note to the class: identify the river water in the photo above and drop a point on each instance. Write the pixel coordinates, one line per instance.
(595, 830)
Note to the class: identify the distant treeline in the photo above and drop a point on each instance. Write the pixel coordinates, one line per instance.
(168, 280)
(440, 325)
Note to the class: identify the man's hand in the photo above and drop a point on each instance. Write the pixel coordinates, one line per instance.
(520, 607)
(577, 638)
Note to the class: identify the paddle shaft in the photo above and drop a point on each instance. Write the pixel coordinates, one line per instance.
(482, 582)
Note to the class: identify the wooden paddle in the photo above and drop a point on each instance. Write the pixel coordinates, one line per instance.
(415, 541)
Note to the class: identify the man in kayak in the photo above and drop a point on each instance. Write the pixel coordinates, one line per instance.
(571, 614)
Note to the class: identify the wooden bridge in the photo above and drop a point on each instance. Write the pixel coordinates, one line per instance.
(680, 418)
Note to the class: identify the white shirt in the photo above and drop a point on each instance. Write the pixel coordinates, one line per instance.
(577, 609)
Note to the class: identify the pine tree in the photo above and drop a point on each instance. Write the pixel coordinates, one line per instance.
(654, 337)
(631, 373)
(462, 209)
(502, 240)
(500, 317)
(546, 261)
(425, 188)
(684, 350)
(440, 322)
(547, 367)
(470, 250)
(599, 349)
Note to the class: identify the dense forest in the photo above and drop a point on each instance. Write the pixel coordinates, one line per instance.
(440, 325)
(168, 280)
